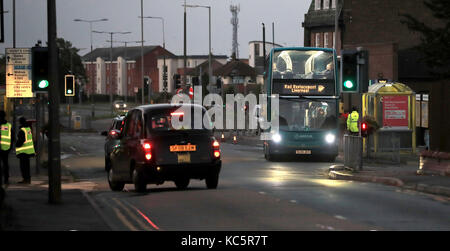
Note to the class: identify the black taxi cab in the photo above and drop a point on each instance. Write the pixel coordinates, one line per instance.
(150, 150)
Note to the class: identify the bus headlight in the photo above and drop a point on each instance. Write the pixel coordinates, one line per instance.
(276, 138)
(330, 138)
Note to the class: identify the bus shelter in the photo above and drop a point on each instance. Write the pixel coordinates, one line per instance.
(392, 106)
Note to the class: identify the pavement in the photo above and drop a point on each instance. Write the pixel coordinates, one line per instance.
(27, 207)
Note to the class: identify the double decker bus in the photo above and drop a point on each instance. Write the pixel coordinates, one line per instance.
(306, 81)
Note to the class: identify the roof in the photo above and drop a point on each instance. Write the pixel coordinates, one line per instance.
(205, 68)
(390, 88)
(132, 53)
(196, 57)
(236, 68)
(267, 42)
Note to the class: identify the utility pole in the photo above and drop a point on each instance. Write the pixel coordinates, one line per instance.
(264, 46)
(183, 86)
(54, 153)
(142, 50)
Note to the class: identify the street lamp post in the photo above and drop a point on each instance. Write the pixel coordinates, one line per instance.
(111, 33)
(164, 47)
(90, 33)
(210, 54)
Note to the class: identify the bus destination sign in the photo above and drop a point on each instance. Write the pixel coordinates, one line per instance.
(303, 87)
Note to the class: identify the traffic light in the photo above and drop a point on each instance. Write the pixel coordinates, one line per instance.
(40, 69)
(364, 129)
(69, 85)
(177, 79)
(349, 71)
(146, 81)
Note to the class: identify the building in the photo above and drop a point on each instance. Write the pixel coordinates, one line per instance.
(238, 75)
(125, 71)
(256, 57)
(377, 27)
(319, 25)
(175, 65)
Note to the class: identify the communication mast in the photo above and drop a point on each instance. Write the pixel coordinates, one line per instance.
(235, 21)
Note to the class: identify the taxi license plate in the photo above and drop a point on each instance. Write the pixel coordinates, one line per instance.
(184, 158)
(302, 151)
(183, 148)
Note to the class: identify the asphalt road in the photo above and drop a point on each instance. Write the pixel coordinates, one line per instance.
(253, 194)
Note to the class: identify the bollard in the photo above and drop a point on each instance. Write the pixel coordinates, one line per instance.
(234, 139)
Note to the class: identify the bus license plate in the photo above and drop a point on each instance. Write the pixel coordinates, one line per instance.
(184, 158)
(302, 151)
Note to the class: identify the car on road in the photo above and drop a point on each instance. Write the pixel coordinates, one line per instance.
(151, 150)
(120, 107)
(112, 138)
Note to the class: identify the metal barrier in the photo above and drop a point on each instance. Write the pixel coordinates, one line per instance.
(353, 151)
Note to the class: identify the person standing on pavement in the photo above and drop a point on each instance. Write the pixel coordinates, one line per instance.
(25, 149)
(6, 140)
(352, 121)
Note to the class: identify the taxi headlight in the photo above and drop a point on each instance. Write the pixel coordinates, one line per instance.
(330, 138)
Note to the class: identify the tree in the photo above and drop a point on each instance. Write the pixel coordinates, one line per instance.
(435, 44)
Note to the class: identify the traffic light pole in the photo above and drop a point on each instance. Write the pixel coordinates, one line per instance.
(54, 153)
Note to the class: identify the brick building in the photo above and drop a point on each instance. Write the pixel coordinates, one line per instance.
(125, 71)
(377, 27)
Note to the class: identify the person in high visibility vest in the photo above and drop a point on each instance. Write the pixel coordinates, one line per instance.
(25, 149)
(6, 138)
(352, 121)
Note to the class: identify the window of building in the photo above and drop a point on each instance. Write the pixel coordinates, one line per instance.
(326, 4)
(333, 4)
(318, 5)
(256, 50)
(326, 40)
(318, 36)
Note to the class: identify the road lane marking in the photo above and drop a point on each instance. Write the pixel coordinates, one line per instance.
(293, 201)
(340, 217)
(124, 220)
(143, 216)
(128, 211)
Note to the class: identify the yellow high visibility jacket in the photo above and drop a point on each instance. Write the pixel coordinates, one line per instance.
(6, 136)
(352, 122)
(28, 146)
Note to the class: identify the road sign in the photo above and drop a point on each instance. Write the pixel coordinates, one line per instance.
(18, 73)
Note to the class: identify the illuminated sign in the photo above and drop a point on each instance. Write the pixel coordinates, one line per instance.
(301, 87)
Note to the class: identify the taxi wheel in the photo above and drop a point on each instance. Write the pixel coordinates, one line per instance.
(212, 181)
(114, 185)
(182, 183)
(139, 183)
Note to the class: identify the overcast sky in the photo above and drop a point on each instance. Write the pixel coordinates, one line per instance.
(31, 24)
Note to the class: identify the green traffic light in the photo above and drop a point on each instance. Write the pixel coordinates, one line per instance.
(43, 84)
(348, 84)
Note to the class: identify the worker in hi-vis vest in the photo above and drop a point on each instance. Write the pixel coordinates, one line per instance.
(5, 146)
(352, 121)
(25, 149)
